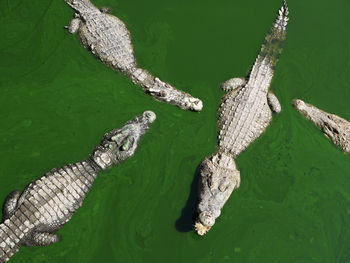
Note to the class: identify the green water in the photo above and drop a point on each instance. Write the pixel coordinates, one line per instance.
(57, 101)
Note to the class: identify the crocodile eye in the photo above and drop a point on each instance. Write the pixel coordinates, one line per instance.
(117, 137)
(108, 146)
(125, 146)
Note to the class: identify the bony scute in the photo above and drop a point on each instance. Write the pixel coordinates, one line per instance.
(244, 114)
(99, 32)
(46, 204)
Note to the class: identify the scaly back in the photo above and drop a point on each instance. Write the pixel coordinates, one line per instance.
(244, 113)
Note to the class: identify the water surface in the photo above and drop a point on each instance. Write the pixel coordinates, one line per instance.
(57, 101)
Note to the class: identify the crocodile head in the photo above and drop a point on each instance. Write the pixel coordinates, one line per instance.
(334, 127)
(218, 178)
(120, 144)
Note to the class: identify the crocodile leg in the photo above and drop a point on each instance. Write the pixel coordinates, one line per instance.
(10, 205)
(273, 102)
(244, 114)
(41, 239)
(48, 203)
(233, 84)
(73, 25)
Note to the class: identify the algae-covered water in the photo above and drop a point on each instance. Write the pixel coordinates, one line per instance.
(57, 101)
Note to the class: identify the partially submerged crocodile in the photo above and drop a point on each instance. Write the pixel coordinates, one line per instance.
(244, 114)
(48, 203)
(108, 39)
(335, 128)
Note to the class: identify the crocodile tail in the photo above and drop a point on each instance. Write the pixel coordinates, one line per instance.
(9, 242)
(272, 46)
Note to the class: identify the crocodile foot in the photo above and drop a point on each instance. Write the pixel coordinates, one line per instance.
(233, 84)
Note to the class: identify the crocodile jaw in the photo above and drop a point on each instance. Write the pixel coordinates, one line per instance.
(200, 228)
(193, 104)
(120, 144)
(99, 31)
(300, 106)
(218, 178)
(334, 127)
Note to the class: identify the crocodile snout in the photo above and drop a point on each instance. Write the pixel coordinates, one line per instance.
(298, 104)
(149, 116)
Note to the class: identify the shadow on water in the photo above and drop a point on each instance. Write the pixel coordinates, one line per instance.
(186, 220)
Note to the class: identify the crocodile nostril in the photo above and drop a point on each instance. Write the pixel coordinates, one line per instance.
(198, 105)
(150, 115)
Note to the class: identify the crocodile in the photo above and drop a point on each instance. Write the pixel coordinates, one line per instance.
(334, 127)
(107, 37)
(46, 204)
(243, 115)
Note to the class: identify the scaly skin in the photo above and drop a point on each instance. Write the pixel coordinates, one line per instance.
(335, 128)
(109, 40)
(244, 114)
(48, 203)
